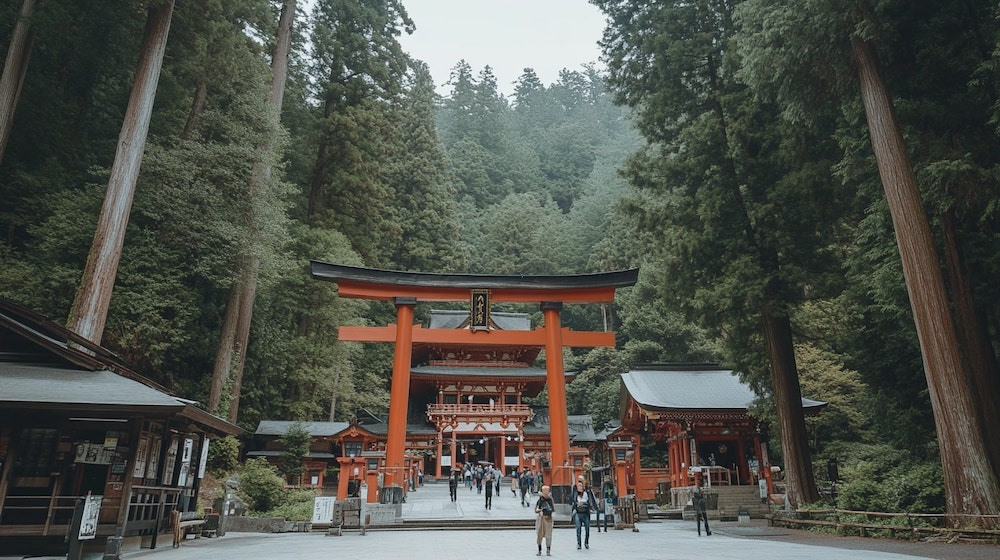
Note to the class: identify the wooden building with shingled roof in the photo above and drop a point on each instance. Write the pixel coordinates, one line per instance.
(76, 420)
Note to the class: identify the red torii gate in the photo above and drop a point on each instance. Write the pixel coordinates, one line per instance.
(405, 289)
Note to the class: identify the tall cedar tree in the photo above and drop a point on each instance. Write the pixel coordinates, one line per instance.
(93, 297)
(737, 202)
(230, 357)
(359, 67)
(958, 364)
(419, 175)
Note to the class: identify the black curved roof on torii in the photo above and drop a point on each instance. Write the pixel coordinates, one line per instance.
(335, 272)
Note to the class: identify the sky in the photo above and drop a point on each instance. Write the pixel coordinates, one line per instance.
(507, 35)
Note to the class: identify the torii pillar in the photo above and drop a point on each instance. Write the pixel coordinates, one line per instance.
(555, 379)
(395, 445)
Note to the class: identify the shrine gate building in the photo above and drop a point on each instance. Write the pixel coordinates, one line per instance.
(473, 368)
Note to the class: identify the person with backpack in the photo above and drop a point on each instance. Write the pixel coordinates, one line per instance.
(583, 502)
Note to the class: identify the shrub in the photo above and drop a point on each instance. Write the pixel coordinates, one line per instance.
(883, 478)
(298, 506)
(260, 485)
(223, 456)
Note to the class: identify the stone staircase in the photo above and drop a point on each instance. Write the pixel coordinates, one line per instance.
(734, 498)
(730, 500)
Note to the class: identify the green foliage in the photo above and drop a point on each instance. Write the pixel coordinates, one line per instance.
(883, 478)
(296, 442)
(297, 506)
(223, 456)
(823, 378)
(260, 486)
(596, 389)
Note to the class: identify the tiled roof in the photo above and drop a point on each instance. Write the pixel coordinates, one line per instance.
(456, 318)
(703, 388)
(582, 428)
(315, 429)
(68, 387)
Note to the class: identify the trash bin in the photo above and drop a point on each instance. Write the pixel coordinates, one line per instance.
(391, 495)
(113, 548)
(663, 492)
(711, 500)
(561, 493)
(744, 515)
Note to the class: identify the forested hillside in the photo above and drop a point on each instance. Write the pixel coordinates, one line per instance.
(810, 193)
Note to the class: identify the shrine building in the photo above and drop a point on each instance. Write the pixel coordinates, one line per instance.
(701, 412)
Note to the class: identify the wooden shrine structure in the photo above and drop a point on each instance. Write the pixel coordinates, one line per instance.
(479, 370)
(701, 412)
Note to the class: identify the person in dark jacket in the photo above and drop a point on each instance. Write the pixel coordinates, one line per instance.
(453, 485)
(700, 514)
(488, 482)
(524, 481)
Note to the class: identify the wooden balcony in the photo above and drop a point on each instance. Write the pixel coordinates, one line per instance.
(503, 414)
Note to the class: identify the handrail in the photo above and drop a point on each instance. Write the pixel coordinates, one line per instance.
(913, 524)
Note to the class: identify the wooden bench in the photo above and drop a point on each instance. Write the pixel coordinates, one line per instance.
(181, 522)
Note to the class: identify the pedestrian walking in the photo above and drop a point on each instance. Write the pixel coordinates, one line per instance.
(489, 488)
(604, 507)
(453, 485)
(698, 501)
(583, 502)
(525, 480)
(543, 525)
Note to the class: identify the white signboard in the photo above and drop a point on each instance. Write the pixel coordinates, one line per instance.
(204, 458)
(91, 516)
(323, 509)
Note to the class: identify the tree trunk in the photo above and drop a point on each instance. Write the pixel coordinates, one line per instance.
(982, 370)
(799, 479)
(244, 294)
(970, 481)
(242, 335)
(90, 308)
(224, 359)
(14, 69)
(197, 106)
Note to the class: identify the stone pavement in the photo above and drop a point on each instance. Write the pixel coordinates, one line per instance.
(432, 502)
(657, 540)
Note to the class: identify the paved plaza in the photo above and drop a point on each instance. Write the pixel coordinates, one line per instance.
(655, 540)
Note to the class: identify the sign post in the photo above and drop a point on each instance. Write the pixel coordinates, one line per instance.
(86, 516)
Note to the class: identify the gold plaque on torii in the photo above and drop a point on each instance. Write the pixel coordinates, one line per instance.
(479, 312)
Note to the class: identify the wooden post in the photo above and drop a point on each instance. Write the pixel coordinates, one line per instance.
(440, 449)
(502, 459)
(556, 383)
(395, 446)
